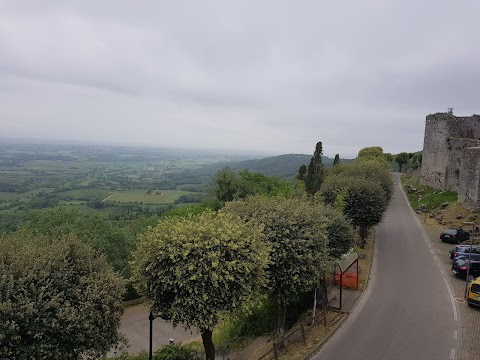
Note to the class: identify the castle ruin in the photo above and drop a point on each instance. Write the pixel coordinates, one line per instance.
(451, 156)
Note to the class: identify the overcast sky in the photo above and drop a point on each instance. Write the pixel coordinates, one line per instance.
(271, 76)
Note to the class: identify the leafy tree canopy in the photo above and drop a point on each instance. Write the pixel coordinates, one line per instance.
(95, 229)
(372, 151)
(295, 229)
(230, 185)
(401, 159)
(58, 300)
(375, 170)
(195, 269)
(296, 232)
(340, 233)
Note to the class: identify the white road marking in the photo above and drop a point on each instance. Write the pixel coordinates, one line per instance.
(452, 354)
(455, 315)
(432, 251)
(455, 334)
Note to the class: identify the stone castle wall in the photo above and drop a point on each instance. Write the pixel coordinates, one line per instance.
(469, 184)
(450, 159)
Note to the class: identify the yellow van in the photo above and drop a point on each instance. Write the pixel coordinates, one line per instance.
(473, 297)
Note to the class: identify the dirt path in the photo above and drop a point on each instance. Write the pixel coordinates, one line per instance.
(108, 197)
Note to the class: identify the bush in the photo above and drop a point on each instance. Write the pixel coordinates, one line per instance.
(176, 352)
(167, 352)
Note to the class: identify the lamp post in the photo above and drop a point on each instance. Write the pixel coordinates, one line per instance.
(151, 317)
(469, 255)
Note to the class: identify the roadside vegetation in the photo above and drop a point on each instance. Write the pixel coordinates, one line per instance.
(421, 196)
(240, 260)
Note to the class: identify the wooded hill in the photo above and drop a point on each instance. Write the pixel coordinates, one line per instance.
(282, 166)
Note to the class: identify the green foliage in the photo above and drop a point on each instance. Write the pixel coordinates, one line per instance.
(388, 157)
(365, 203)
(176, 352)
(104, 235)
(362, 189)
(296, 232)
(401, 159)
(186, 211)
(167, 352)
(314, 177)
(340, 233)
(58, 300)
(259, 320)
(375, 170)
(336, 160)
(372, 151)
(194, 269)
(230, 185)
(302, 173)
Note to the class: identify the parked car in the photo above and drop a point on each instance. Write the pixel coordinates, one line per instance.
(460, 267)
(454, 235)
(473, 297)
(463, 249)
(466, 256)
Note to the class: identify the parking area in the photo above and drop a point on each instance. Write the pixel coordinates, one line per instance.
(469, 316)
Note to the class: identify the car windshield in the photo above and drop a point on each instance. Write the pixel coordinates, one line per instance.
(450, 231)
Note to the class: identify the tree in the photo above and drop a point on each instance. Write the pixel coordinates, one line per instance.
(59, 299)
(95, 229)
(401, 159)
(230, 185)
(372, 169)
(361, 189)
(365, 204)
(340, 233)
(195, 269)
(388, 157)
(295, 229)
(372, 151)
(314, 177)
(336, 160)
(226, 185)
(302, 172)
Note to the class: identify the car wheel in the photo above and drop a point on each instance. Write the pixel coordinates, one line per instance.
(469, 304)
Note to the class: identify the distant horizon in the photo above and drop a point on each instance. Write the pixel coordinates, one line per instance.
(37, 141)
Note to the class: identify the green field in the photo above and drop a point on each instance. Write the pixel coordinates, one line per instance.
(85, 194)
(140, 196)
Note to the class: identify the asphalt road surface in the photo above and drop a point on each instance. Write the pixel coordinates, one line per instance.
(407, 311)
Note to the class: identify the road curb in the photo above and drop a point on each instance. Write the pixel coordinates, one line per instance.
(332, 331)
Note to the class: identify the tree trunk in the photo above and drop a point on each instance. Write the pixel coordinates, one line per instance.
(363, 231)
(282, 315)
(208, 345)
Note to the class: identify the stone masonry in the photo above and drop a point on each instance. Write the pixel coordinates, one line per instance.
(451, 156)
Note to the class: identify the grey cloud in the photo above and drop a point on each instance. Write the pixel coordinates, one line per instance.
(270, 75)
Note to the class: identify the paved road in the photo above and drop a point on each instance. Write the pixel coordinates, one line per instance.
(407, 311)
